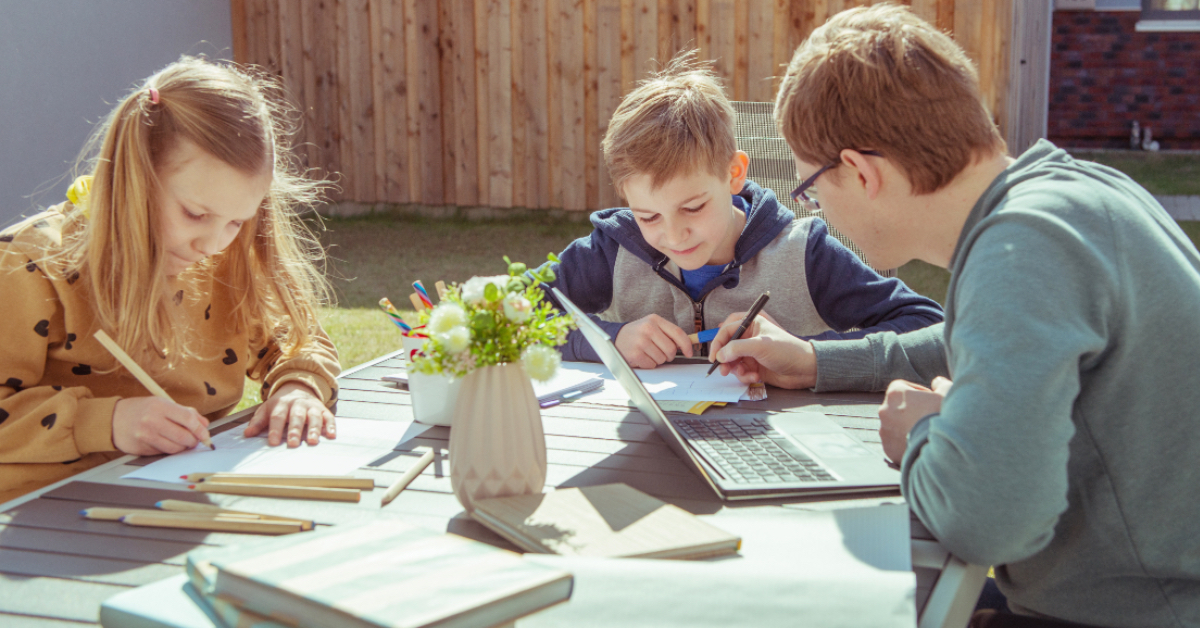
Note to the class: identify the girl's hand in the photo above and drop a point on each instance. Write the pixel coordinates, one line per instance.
(904, 404)
(765, 353)
(295, 408)
(146, 426)
(650, 341)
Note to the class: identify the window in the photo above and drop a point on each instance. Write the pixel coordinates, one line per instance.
(1170, 15)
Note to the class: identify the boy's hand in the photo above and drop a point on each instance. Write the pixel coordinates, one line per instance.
(765, 353)
(904, 404)
(295, 408)
(650, 341)
(146, 426)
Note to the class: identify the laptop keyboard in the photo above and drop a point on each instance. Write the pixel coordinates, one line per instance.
(748, 450)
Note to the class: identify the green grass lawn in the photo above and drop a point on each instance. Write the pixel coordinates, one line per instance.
(1161, 173)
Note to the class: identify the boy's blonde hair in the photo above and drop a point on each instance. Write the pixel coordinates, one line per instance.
(240, 118)
(674, 123)
(881, 78)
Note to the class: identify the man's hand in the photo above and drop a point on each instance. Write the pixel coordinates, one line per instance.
(146, 426)
(295, 408)
(904, 404)
(652, 340)
(766, 353)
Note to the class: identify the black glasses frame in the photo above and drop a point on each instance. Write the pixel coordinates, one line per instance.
(799, 194)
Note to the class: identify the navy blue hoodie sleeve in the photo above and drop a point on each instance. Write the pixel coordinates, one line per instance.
(848, 293)
(584, 273)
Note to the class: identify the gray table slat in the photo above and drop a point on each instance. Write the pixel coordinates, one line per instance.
(73, 600)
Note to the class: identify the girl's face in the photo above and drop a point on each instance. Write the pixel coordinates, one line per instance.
(203, 204)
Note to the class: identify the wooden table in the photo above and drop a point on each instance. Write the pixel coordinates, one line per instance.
(57, 567)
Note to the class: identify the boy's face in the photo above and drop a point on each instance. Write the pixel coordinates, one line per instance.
(690, 218)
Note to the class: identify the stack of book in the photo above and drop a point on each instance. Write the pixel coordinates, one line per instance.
(381, 574)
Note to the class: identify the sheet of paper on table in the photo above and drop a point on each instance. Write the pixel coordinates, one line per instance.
(840, 569)
(668, 382)
(358, 442)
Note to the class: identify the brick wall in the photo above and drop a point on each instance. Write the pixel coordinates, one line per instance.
(1104, 75)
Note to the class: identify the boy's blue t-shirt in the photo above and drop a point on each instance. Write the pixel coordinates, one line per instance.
(695, 280)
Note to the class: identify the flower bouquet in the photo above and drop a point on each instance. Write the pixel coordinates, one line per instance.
(495, 333)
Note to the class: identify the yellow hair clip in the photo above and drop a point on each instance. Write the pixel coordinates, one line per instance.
(78, 193)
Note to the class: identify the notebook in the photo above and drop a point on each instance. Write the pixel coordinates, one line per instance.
(755, 455)
(612, 520)
(386, 574)
(566, 384)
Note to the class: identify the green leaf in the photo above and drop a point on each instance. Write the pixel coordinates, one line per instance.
(548, 275)
(517, 269)
(491, 292)
(552, 257)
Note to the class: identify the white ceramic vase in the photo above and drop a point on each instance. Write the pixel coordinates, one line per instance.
(497, 447)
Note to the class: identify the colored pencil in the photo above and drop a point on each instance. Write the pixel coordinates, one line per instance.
(422, 293)
(216, 523)
(326, 481)
(269, 490)
(181, 506)
(138, 373)
(417, 303)
(406, 479)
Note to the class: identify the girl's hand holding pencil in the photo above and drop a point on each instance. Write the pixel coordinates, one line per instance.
(147, 426)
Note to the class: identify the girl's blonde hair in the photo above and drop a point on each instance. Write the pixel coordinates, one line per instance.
(240, 118)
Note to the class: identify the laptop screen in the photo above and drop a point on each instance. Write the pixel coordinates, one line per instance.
(611, 356)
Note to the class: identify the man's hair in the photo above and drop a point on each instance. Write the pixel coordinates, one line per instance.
(676, 122)
(881, 78)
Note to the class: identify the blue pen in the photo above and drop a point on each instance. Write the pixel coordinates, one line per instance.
(550, 403)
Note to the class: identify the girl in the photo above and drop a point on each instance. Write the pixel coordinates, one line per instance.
(183, 245)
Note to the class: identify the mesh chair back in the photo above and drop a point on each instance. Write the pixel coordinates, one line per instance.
(771, 162)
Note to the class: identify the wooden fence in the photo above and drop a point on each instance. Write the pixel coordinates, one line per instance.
(503, 103)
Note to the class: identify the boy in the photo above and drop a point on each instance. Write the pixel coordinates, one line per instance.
(700, 242)
(1063, 452)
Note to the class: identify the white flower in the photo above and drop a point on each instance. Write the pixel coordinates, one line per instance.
(455, 340)
(446, 316)
(517, 308)
(540, 361)
(472, 291)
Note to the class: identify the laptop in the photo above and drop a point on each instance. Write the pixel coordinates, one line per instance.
(755, 455)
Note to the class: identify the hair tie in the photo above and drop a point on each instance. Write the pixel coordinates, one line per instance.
(153, 96)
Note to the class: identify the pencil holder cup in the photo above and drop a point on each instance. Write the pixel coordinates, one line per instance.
(432, 395)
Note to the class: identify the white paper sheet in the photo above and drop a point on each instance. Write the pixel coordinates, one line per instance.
(669, 382)
(358, 442)
(832, 569)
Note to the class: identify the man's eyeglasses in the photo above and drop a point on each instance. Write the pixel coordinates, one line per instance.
(808, 200)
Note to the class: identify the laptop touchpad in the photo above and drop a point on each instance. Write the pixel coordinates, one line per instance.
(819, 434)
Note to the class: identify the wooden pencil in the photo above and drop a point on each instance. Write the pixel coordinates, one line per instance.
(417, 304)
(216, 523)
(326, 481)
(271, 490)
(441, 289)
(406, 479)
(138, 373)
(179, 505)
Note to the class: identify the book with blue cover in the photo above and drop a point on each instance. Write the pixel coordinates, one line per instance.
(384, 574)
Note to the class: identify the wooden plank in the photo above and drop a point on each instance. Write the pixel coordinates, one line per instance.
(645, 39)
(519, 119)
(271, 47)
(291, 59)
(591, 109)
(393, 61)
(238, 26)
(320, 88)
(344, 103)
(781, 44)
(255, 32)
(703, 32)
(377, 14)
(95, 545)
(458, 89)
(482, 102)
(361, 98)
(571, 163)
(738, 88)
(760, 47)
(500, 103)
(608, 86)
(945, 15)
(107, 570)
(556, 18)
(628, 71)
(424, 101)
(722, 25)
(681, 25)
(926, 10)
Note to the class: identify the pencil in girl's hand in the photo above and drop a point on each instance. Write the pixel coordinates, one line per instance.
(138, 373)
(422, 293)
